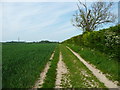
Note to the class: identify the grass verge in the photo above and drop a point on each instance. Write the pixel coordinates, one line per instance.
(52, 72)
(103, 62)
(80, 76)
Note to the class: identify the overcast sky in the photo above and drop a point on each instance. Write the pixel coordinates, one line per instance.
(38, 21)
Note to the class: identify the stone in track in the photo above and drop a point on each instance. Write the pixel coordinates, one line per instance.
(101, 77)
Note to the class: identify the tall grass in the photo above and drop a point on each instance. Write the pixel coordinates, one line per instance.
(22, 63)
(75, 67)
(108, 65)
(52, 72)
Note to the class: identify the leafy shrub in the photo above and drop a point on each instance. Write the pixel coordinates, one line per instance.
(105, 40)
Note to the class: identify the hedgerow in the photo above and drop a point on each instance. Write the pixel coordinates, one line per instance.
(105, 40)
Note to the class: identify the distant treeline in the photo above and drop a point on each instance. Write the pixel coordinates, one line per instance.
(45, 41)
(105, 40)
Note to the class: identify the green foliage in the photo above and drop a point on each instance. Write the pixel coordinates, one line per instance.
(75, 68)
(22, 63)
(104, 62)
(0, 65)
(52, 72)
(106, 40)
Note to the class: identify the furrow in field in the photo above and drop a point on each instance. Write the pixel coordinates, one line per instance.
(40, 81)
(101, 77)
(62, 78)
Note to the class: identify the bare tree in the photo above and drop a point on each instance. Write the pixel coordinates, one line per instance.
(91, 18)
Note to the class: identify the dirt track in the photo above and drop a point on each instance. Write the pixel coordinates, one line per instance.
(62, 78)
(101, 77)
(61, 72)
(40, 81)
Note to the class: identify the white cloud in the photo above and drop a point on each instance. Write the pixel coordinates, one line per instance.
(37, 21)
(26, 17)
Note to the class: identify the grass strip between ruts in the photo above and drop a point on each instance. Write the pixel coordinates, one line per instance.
(52, 72)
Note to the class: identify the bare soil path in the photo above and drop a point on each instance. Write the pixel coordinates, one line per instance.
(40, 81)
(101, 77)
(62, 77)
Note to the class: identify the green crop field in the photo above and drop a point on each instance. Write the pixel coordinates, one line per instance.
(0, 65)
(52, 72)
(23, 62)
(60, 45)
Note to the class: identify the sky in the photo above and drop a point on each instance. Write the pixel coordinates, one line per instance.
(36, 21)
